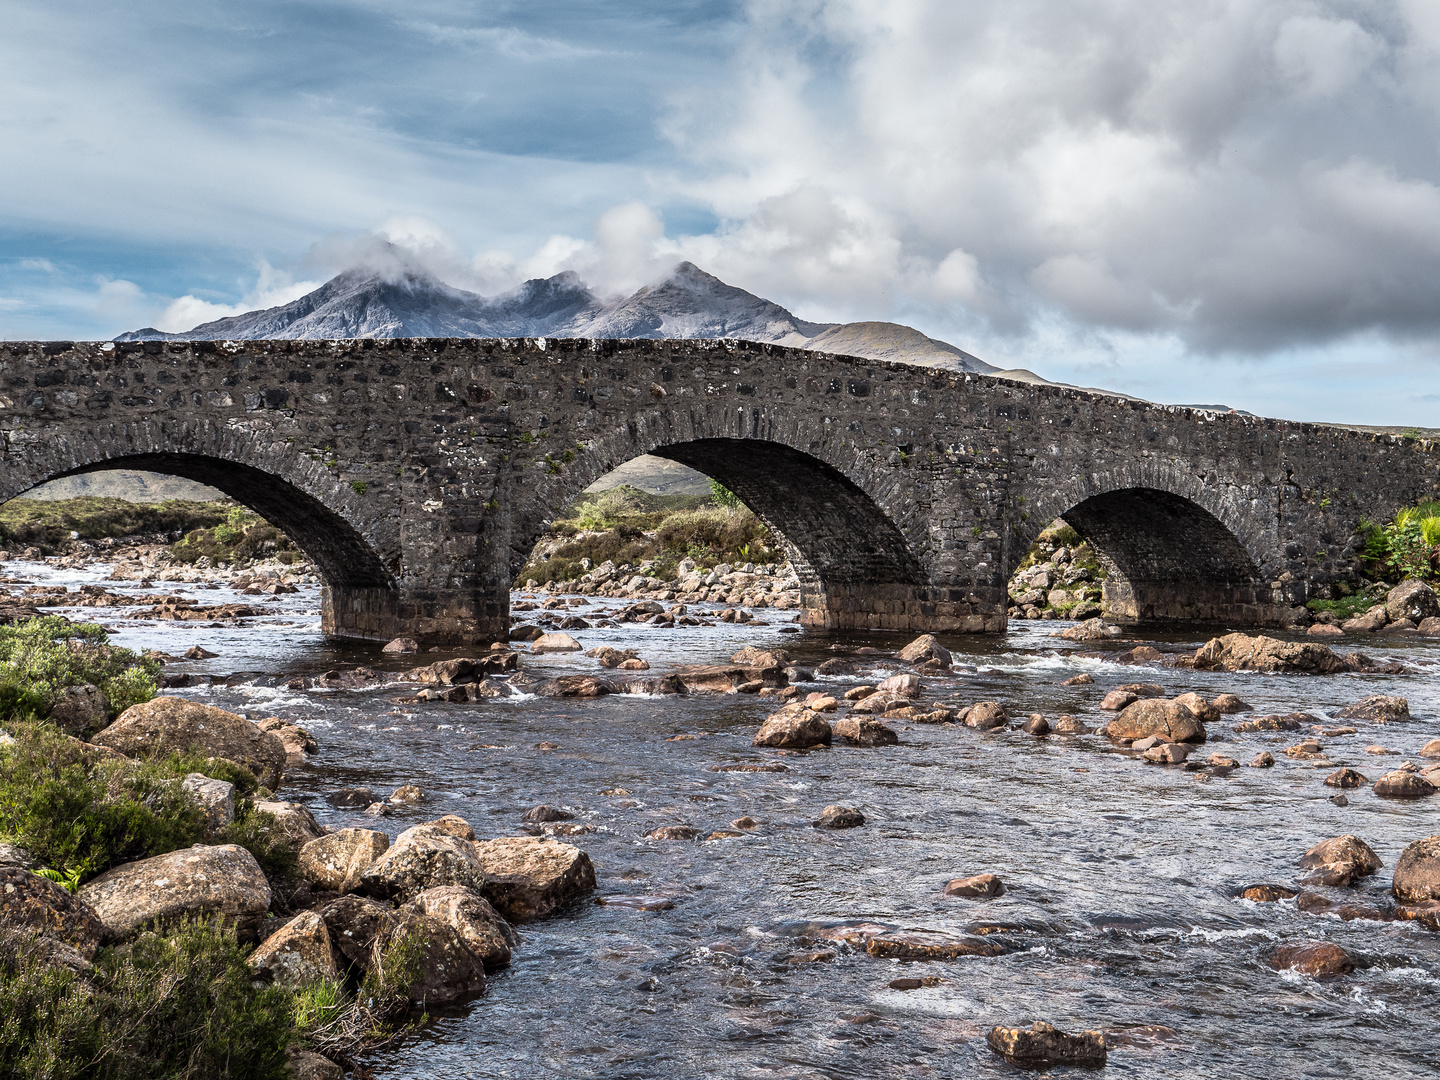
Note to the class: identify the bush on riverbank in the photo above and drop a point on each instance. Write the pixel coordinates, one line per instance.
(40, 657)
(240, 538)
(47, 524)
(1407, 547)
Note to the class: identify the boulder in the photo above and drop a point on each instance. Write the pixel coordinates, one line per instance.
(839, 817)
(1116, 700)
(299, 744)
(1341, 860)
(1417, 871)
(298, 953)
(352, 796)
(1083, 679)
(31, 903)
(1288, 722)
(673, 832)
(452, 825)
(1378, 708)
(905, 685)
(1321, 629)
(407, 795)
(877, 702)
(1036, 725)
(1069, 725)
(356, 923)
(470, 915)
(546, 813)
(978, 885)
(1095, 629)
(1403, 784)
(1203, 711)
(576, 686)
(928, 945)
(986, 715)
(865, 731)
(1263, 760)
(1167, 753)
(224, 880)
(306, 1065)
(401, 645)
(555, 642)
(1268, 894)
(1041, 1043)
(1169, 720)
(1318, 958)
(764, 659)
(1413, 600)
(450, 969)
(294, 825)
(165, 725)
(1345, 778)
(1366, 622)
(1241, 652)
(79, 710)
(337, 861)
(465, 670)
(611, 658)
(1143, 689)
(422, 858)
(529, 877)
(1229, 703)
(216, 798)
(1429, 627)
(794, 727)
(15, 855)
(924, 649)
(1431, 749)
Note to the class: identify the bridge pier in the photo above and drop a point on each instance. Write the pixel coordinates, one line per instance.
(430, 617)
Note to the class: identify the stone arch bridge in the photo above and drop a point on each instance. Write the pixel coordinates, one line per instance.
(418, 473)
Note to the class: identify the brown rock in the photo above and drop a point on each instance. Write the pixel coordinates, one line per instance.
(1069, 725)
(1345, 778)
(450, 970)
(839, 817)
(1156, 716)
(305, 1065)
(1144, 689)
(1083, 679)
(79, 710)
(821, 703)
(1222, 761)
(1288, 722)
(1368, 622)
(1042, 1043)
(401, 645)
(1241, 652)
(865, 731)
(905, 685)
(1321, 629)
(1341, 860)
(298, 953)
(574, 686)
(165, 725)
(1403, 784)
(422, 858)
(1095, 629)
(294, 825)
(1431, 749)
(924, 649)
(1116, 700)
(530, 878)
(986, 716)
(1430, 627)
(1229, 703)
(929, 946)
(1320, 959)
(470, 915)
(979, 885)
(555, 642)
(1036, 725)
(1379, 708)
(1413, 600)
(1167, 753)
(1417, 871)
(224, 880)
(794, 728)
(34, 904)
(611, 658)
(546, 813)
(746, 822)
(1203, 711)
(337, 861)
(1262, 760)
(673, 832)
(1267, 894)
(356, 923)
(764, 659)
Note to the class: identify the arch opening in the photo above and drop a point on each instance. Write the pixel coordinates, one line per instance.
(1167, 559)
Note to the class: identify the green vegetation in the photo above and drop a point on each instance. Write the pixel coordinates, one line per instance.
(40, 657)
(1346, 607)
(48, 524)
(242, 536)
(1407, 547)
(625, 525)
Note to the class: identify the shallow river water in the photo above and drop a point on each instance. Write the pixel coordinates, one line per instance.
(1121, 875)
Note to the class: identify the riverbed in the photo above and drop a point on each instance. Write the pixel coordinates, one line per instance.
(1120, 911)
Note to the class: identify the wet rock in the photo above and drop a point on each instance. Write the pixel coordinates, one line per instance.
(530, 878)
(1341, 860)
(1429, 627)
(1262, 760)
(1116, 700)
(1095, 629)
(1222, 761)
(923, 945)
(839, 817)
(1417, 871)
(1036, 725)
(79, 710)
(1268, 894)
(822, 703)
(165, 725)
(29, 902)
(1156, 716)
(1367, 622)
(1229, 703)
(294, 826)
(1431, 749)
(1205, 712)
(1167, 753)
(1143, 689)
(1345, 778)
(763, 659)
(611, 658)
(224, 880)
(1288, 722)
(1378, 708)
(472, 917)
(423, 858)
(338, 860)
(1318, 958)
(878, 703)
(1141, 654)
(746, 822)
(1305, 748)
(916, 984)
(1083, 679)
(1041, 1043)
(1321, 629)
(525, 632)
(465, 670)
(904, 685)
(547, 813)
(299, 744)
(673, 832)
(794, 728)
(1413, 600)
(215, 797)
(865, 731)
(1241, 652)
(977, 886)
(1339, 800)
(769, 766)
(574, 686)
(1403, 784)
(555, 642)
(925, 649)
(726, 679)
(401, 645)
(407, 795)
(1069, 725)
(837, 666)
(986, 716)
(352, 796)
(298, 953)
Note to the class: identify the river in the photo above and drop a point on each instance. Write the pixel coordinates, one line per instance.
(1120, 911)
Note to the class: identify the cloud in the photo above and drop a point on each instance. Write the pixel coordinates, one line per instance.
(272, 288)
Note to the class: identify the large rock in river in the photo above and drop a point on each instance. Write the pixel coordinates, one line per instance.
(530, 877)
(1166, 719)
(36, 904)
(925, 648)
(422, 858)
(1042, 1044)
(1341, 860)
(165, 725)
(361, 929)
(1413, 600)
(224, 880)
(1378, 708)
(1241, 652)
(470, 915)
(338, 860)
(793, 728)
(1417, 871)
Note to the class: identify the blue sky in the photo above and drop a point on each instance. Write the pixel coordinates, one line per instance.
(1218, 201)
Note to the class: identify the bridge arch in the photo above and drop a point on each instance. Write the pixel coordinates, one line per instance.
(1175, 548)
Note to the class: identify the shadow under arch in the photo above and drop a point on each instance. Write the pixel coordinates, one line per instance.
(340, 553)
(1169, 559)
(845, 548)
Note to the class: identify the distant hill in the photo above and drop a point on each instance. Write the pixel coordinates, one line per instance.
(689, 303)
(132, 485)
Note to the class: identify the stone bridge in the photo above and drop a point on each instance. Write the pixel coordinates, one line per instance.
(417, 474)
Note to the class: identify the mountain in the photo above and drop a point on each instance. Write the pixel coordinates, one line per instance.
(689, 303)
